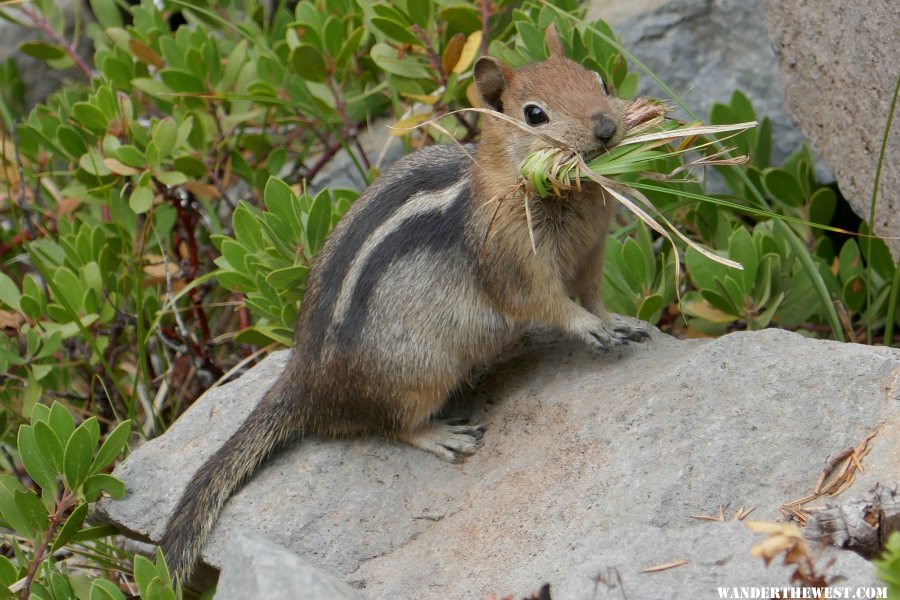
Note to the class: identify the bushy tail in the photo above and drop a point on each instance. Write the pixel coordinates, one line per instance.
(268, 426)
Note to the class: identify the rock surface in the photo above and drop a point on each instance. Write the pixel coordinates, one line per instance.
(257, 568)
(706, 49)
(839, 66)
(589, 464)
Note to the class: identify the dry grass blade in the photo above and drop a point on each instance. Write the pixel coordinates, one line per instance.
(665, 567)
(832, 480)
(787, 539)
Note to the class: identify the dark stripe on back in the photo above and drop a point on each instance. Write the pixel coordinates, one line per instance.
(429, 170)
(440, 232)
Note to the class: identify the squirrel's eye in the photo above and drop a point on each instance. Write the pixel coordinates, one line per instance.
(535, 115)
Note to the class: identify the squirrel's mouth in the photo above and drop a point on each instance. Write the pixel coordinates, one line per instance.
(590, 155)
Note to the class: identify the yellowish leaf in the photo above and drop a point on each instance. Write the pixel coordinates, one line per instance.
(469, 51)
(424, 99)
(202, 190)
(145, 53)
(452, 52)
(474, 96)
(403, 126)
(704, 310)
(118, 168)
(10, 320)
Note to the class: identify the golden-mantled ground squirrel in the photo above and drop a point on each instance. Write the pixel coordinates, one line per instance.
(411, 290)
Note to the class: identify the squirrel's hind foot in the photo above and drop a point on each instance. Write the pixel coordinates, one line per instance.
(447, 439)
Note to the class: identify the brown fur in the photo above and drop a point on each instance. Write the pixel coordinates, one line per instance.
(410, 292)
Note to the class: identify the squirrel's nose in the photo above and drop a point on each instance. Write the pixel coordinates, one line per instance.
(604, 127)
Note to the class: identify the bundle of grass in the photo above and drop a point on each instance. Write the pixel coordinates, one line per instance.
(555, 170)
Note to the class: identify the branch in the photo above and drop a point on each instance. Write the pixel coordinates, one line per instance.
(38, 20)
(485, 14)
(55, 520)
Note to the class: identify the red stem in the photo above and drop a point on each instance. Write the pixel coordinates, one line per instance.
(485, 13)
(43, 24)
(55, 520)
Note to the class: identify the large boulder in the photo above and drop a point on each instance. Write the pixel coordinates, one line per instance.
(839, 67)
(591, 465)
(704, 50)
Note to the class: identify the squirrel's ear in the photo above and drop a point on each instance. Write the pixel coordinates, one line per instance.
(551, 37)
(492, 77)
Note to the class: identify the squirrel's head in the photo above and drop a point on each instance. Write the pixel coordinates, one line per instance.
(556, 97)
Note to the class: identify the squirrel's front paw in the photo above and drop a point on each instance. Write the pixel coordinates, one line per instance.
(601, 334)
(629, 331)
(597, 333)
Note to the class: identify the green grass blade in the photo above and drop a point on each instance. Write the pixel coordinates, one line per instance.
(892, 305)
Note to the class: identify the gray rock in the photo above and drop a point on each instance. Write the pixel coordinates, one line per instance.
(704, 50)
(839, 65)
(588, 463)
(257, 568)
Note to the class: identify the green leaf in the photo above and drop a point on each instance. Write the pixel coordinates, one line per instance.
(409, 66)
(349, 46)
(10, 510)
(88, 115)
(318, 222)
(32, 510)
(181, 81)
(61, 421)
(92, 163)
(71, 140)
(419, 12)
(144, 573)
(308, 63)
(103, 589)
(94, 484)
(649, 307)
(163, 135)
(850, 263)
(71, 526)
(783, 186)
(154, 88)
(332, 35)
(461, 18)
(141, 200)
(107, 13)
(49, 444)
(94, 533)
(287, 278)
(247, 229)
(742, 249)
(39, 413)
(112, 446)
(532, 40)
(172, 178)
(38, 467)
(77, 457)
(822, 205)
(8, 572)
(854, 294)
(9, 293)
(69, 287)
(42, 50)
(635, 265)
(396, 31)
(131, 156)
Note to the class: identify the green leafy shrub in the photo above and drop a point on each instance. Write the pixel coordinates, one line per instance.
(156, 224)
(888, 568)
